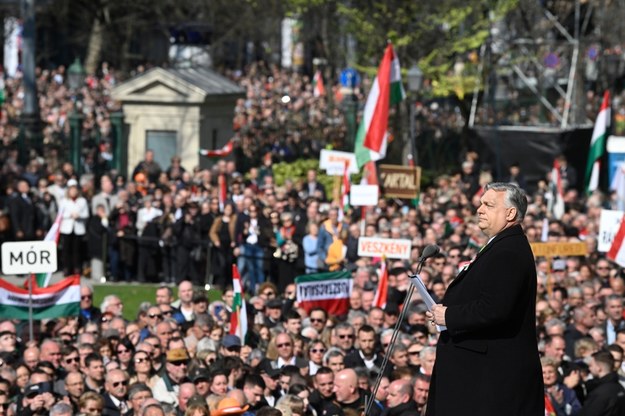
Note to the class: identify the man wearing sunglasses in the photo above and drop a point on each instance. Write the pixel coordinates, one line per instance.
(167, 387)
(88, 312)
(116, 386)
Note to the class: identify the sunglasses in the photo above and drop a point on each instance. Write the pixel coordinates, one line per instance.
(343, 336)
(120, 383)
(155, 315)
(286, 344)
(178, 363)
(86, 297)
(167, 312)
(72, 360)
(141, 360)
(315, 351)
(316, 320)
(123, 351)
(234, 349)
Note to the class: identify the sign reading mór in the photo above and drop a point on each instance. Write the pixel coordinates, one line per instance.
(26, 257)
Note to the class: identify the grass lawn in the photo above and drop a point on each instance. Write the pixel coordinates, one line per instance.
(132, 295)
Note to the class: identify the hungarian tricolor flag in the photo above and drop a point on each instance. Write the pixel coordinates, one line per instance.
(223, 190)
(382, 293)
(318, 88)
(329, 291)
(617, 249)
(557, 193)
(238, 318)
(386, 90)
(346, 187)
(43, 279)
(60, 299)
(597, 145)
(224, 151)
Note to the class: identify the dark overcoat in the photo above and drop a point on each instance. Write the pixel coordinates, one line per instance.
(487, 360)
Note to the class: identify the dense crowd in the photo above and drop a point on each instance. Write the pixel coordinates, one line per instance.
(167, 224)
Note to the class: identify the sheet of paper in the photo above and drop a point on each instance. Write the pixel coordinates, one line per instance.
(425, 295)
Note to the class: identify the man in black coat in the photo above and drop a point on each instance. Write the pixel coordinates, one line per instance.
(25, 219)
(604, 390)
(116, 386)
(487, 358)
(399, 399)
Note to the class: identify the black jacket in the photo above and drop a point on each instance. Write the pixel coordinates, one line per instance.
(405, 409)
(487, 359)
(603, 396)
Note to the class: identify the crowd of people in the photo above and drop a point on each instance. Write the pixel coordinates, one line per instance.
(170, 225)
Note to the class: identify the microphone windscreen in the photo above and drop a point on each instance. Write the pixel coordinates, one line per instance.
(429, 251)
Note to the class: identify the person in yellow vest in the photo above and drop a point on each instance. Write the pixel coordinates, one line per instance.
(329, 231)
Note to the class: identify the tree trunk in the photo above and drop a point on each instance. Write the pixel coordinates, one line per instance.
(94, 50)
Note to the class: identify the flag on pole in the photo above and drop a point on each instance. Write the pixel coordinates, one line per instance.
(223, 191)
(387, 89)
(60, 299)
(43, 279)
(238, 318)
(382, 293)
(346, 188)
(318, 87)
(223, 152)
(557, 202)
(597, 144)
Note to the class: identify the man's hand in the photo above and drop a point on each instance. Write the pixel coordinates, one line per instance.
(437, 315)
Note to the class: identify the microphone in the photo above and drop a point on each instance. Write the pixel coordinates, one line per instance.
(429, 251)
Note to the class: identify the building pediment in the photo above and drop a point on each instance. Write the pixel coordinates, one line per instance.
(175, 86)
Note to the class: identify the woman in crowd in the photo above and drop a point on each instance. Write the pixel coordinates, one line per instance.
(75, 211)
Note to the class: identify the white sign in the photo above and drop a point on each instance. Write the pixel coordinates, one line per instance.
(26, 257)
(389, 247)
(333, 161)
(363, 195)
(609, 223)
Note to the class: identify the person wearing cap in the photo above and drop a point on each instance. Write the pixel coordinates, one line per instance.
(201, 378)
(230, 346)
(38, 397)
(273, 313)
(229, 406)
(167, 387)
(75, 213)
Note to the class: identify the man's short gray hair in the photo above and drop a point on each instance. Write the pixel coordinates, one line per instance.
(61, 409)
(515, 197)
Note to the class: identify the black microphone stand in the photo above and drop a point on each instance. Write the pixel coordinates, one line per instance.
(391, 345)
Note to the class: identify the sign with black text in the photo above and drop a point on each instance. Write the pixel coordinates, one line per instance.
(398, 181)
(26, 257)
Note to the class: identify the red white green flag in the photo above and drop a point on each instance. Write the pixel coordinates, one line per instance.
(318, 87)
(556, 204)
(57, 300)
(346, 188)
(223, 152)
(597, 144)
(372, 136)
(329, 291)
(238, 318)
(617, 249)
(223, 191)
(382, 293)
(43, 279)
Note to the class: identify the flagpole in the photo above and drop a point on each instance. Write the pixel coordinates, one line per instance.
(30, 309)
